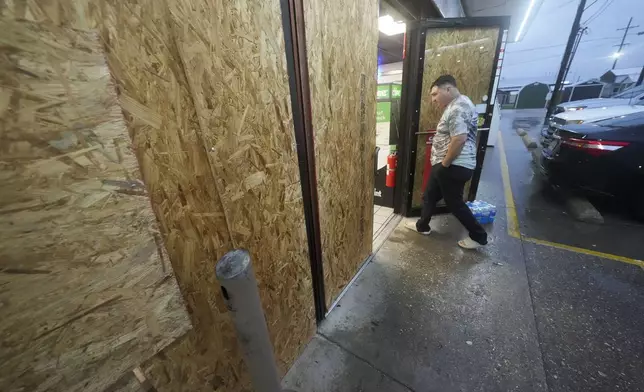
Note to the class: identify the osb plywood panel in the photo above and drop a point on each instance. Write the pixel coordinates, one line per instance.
(205, 87)
(205, 92)
(468, 55)
(342, 37)
(86, 290)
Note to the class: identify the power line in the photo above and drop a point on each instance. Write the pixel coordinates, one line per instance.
(591, 4)
(599, 12)
(580, 33)
(545, 58)
(532, 61)
(554, 46)
(559, 6)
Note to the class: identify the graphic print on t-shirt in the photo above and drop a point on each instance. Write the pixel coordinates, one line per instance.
(459, 117)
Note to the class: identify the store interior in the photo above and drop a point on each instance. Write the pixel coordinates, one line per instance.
(391, 40)
(474, 55)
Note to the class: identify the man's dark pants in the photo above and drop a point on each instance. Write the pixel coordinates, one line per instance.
(447, 183)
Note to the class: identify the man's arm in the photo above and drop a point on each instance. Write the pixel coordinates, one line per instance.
(454, 148)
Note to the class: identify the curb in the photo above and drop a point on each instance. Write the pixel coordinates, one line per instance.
(536, 155)
(582, 210)
(529, 142)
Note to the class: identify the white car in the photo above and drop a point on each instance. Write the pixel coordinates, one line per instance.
(632, 96)
(596, 114)
(587, 116)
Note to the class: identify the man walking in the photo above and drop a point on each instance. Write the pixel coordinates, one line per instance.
(453, 161)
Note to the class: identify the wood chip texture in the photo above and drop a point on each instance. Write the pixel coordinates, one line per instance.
(86, 289)
(206, 93)
(204, 88)
(468, 55)
(341, 40)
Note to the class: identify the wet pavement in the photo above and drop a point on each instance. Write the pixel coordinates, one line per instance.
(425, 315)
(542, 212)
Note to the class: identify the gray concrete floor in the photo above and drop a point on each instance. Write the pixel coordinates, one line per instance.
(425, 315)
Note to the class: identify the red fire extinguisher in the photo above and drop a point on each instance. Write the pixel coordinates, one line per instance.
(392, 161)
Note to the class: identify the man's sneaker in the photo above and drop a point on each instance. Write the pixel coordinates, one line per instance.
(412, 226)
(469, 243)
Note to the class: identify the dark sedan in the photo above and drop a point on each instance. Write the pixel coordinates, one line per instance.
(605, 157)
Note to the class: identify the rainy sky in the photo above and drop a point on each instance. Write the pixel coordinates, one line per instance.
(537, 56)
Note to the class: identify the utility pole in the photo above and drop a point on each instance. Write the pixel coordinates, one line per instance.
(641, 78)
(622, 44)
(572, 38)
(573, 52)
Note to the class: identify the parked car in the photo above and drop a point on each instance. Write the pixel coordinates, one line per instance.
(586, 116)
(632, 96)
(605, 157)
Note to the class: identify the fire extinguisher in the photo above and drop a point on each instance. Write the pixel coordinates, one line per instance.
(392, 161)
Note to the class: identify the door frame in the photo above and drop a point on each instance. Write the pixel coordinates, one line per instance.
(300, 92)
(413, 67)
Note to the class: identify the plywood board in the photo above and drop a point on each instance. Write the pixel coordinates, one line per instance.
(206, 93)
(204, 88)
(341, 40)
(468, 55)
(86, 289)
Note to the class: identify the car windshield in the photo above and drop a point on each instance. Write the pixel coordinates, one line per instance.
(630, 93)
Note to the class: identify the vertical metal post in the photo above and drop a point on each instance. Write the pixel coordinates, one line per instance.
(554, 100)
(239, 287)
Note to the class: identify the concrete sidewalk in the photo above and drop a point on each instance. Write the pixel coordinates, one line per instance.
(514, 316)
(428, 316)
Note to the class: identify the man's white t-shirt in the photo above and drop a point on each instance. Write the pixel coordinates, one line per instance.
(460, 117)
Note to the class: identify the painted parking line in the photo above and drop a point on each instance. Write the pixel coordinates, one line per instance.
(513, 219)
(585, 251)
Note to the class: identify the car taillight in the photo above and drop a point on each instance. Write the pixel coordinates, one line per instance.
(593, 147)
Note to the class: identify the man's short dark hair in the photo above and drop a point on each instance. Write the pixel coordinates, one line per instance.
(444, 80)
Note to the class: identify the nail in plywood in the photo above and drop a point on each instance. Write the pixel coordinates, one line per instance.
(86, 290)
(468, 55)
(342, 39)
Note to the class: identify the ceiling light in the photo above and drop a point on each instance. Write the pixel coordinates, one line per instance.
(525, 20)
(388, 26)
(481, 47)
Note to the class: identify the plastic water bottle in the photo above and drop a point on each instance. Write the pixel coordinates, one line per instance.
(483, 212)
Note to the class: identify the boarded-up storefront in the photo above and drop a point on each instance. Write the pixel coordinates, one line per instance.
(143, 139)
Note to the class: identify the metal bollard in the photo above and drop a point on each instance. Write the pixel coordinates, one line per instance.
(239, 287)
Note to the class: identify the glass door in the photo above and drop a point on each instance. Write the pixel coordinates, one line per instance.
(467, 49)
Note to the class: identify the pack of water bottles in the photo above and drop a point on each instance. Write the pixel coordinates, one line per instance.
(483, 212)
